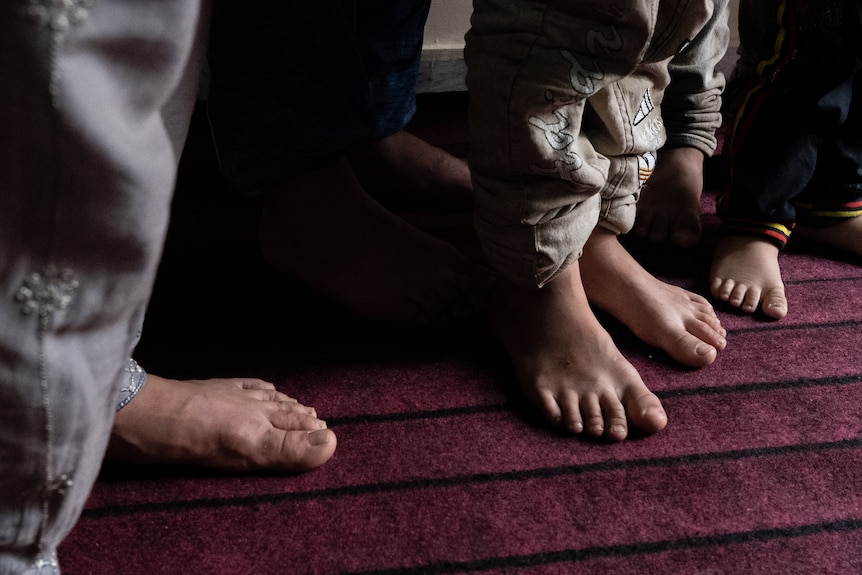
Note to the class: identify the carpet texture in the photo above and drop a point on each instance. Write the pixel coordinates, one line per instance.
(441, 468)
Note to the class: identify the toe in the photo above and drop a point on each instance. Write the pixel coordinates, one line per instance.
(645, 411)
(301, 450)
(591, 411)
(750, 301)
(616, 426)
(740, 293)
(693, 351)
(570, 411)
(708, 331)
(775, 303)
(250, 383)
(721, 288)
(548, 406)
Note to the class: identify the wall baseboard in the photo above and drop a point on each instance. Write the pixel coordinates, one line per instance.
(441, 70)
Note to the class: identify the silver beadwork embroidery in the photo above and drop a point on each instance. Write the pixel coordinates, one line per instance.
(58, 15)
(45, 292)
(47, 565)
(137, 378)
(42, 294)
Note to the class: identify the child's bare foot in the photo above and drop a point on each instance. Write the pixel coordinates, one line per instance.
(324, 230)
(403, 166)
(844, 234)
(669, 206)
(566, 362)
(681, 323)
(230, 424)
(745, 274)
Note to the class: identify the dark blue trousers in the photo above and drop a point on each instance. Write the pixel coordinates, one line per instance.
(297, 83)
(793, 117)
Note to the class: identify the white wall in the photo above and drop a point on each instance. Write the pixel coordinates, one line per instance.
(447, 23)
(443, 69)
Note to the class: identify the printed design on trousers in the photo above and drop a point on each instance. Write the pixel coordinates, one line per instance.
(559, 138)
(555, 134)
(586, 77)
(585, 71)
(651, 133)
(644, 109)
(58, 15)
(646, 165)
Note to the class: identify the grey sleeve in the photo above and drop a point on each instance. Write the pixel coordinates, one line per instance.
(692, 103)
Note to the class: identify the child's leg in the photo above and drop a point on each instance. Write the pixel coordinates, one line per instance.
(782, 141)
(566, 362)
(392, 163)
(745, 274)
(669, 206)
(405, 168)
(291, 93)
(845, 234)
(831, 205)
(323, 228)
(681, 323)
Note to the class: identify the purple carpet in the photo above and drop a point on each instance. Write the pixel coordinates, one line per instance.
(441, 468)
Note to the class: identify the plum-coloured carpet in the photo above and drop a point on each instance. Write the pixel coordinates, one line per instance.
(442, 468)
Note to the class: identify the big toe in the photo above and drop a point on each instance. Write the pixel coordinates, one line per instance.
(692, 351)
(645, 412)
(774, 303)
(303, 450)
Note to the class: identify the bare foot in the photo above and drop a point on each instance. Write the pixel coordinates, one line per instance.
(405, 167)
(323, 229)
(669, 206)
(230, 424)
(566, 362)
(845, 235)
(681, 323)
(745, 274)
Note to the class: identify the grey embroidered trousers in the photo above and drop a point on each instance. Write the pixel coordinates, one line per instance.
(87, 167)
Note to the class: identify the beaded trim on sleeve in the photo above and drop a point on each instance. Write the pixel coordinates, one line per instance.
(47, 565)
(137, 377)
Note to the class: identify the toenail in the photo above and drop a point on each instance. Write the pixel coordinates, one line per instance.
(618, 429)
(703, 349)
(317, 438)
(654, 412)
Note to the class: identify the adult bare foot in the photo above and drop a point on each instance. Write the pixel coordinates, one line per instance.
(845, 235)
(230, 424)
(681, 323)
(669, 206)
(746, 275)
(325, 230)
(566, 362)
(405, 167)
